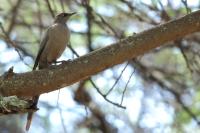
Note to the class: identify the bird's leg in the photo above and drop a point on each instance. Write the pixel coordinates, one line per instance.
(54, 62)
(34, 102)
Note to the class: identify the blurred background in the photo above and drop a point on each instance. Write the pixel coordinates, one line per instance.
(158, 92)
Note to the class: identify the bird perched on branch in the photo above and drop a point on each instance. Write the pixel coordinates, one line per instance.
(52, 46)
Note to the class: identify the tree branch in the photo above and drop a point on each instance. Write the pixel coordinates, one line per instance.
(56, 77)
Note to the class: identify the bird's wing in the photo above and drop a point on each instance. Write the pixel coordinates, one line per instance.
(42, 46)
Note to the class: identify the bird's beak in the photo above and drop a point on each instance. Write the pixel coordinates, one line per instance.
(70, 14)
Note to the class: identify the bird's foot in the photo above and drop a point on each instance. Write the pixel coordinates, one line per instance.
(62, 62)
(65, 61)
(33, 106)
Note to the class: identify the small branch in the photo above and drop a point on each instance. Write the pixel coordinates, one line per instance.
(186, 6)
(97, 88)
(89, 17)
(117, 79)
(50, 9)
(109, 26)
(14, 16)
(104, 96)
(171, 89)
(62, 5)
(129, 4)
(13, 44)
(126, 86)
(185, 57)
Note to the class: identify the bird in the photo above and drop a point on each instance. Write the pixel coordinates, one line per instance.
(52, 45)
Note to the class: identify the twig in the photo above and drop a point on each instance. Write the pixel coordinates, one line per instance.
(89, 25)
(54, 5)
(172, 90)
(164, 15)
(126, 86)
(104, 96)
(50, 9)
(62, 5)
(61, 118)
(185, 57)
(60, 112)
(108, 25)
(117, 79)
(13, 44)
(70, 47)
(129, 4)
(39, 17)
(14, 15)
(186, 6)
(98, 90)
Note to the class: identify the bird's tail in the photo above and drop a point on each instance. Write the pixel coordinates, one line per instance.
(29, 119)
(30, 114)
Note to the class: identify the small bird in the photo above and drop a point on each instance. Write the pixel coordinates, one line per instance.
(52, 46)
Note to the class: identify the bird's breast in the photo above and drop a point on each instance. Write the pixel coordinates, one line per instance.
(58, 40)
(60, 34)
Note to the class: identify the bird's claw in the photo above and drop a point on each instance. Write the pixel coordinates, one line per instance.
(63, 61)
(66, 61)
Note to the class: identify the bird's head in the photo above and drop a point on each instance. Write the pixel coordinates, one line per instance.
(63, 17)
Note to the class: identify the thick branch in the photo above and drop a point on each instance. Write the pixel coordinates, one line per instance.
(38, 82)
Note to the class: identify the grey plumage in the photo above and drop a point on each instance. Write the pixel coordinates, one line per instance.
(52, 46)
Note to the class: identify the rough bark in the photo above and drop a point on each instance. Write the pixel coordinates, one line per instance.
(42, 81)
